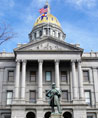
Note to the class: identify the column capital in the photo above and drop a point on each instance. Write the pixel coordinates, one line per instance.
(24, 61)
(95, 69)
(18, 60)
(73, 61)
(57, 61)
(79, 61)
(40, 61)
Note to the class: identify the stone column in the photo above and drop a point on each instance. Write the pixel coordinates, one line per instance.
(40, 81)
(57, 76)
(97, 115)
(61, 36)
(23, 82)
(74, 81)
(37, 34)
(44, 32)
(80, 78)
(1, 81)
(56, 34)
(33, 36)
(95, 77)
(17, 79)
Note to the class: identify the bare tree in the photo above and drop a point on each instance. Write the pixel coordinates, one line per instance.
(6, 33)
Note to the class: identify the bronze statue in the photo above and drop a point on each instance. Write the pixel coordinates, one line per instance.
(54, 96)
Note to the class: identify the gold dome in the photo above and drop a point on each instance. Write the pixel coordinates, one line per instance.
(49, 19)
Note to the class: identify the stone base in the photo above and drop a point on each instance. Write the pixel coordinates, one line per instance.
(56, 115)
(96, 104)
(18, 112)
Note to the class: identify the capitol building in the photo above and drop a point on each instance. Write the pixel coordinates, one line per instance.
(28, 72)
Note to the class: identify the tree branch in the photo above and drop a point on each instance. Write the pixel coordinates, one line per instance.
(6, 33)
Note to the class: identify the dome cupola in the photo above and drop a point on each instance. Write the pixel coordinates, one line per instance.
(50, 19)
(47, 25)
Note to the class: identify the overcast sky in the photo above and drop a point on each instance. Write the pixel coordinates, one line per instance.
(78, 18)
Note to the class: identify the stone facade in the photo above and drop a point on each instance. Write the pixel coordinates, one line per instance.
(22, 95)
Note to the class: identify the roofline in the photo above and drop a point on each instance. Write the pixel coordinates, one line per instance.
(44, 38)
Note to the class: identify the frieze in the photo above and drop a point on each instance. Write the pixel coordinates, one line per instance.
(47, 46)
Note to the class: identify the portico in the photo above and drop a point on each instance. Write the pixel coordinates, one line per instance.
(21, 77)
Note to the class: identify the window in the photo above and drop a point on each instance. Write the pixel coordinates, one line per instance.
(34, 35)
(33, 76)
(58, 35)
(9, 97)
(7, 116)
(32, 96)
(40, 33)
(46, 18)
(52, 19)
(48, 76)
(65, 95)
(86, 76)
(88, 97)
(11, 76)
(64, 76)
(46, 31)
(89, 116)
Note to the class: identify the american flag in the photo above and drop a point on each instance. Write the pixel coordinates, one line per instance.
(44, 10)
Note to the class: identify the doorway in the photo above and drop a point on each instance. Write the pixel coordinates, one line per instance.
(30, 115)
(47, 115)
(67, 115)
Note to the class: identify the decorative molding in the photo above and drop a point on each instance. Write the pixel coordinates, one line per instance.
(48, 46)
(94, 68)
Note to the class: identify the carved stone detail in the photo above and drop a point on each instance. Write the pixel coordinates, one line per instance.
(48, 46)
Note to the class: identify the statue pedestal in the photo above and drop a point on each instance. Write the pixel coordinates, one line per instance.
(56, 115)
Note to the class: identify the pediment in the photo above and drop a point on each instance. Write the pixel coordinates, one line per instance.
(48, 44)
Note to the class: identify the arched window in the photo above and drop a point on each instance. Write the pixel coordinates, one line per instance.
(58, 35)
(52, 19)
(35, 35)
(40, 33)
(30, 115)
(46, 31)
(67, 115)
(47, 115)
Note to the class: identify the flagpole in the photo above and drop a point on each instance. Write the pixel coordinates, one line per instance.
(48, 16)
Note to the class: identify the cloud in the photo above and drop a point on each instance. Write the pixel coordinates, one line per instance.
(82, 3)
